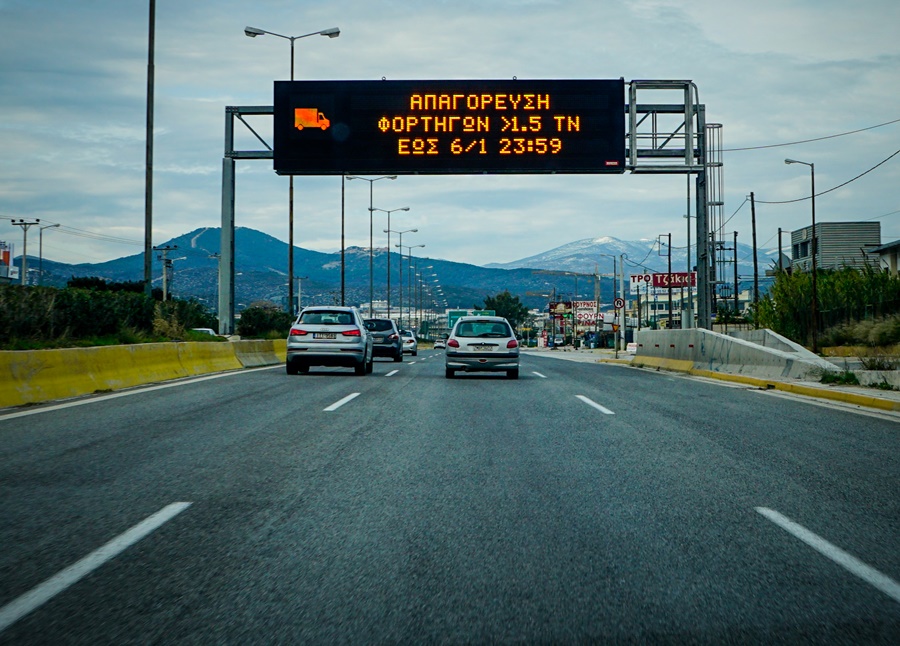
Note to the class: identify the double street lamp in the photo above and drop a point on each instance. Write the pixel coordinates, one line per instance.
(253, 32)
(815, 303)
(371, 257)
(388, 231)
(409, 249)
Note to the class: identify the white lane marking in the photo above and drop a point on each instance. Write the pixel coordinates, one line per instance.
(850, 563)
(392, 373)
(134, 391)
(600, 408)
(412, 363)
(539, 374)
(340, 403)
(36, 597)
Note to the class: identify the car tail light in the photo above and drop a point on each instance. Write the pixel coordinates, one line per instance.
(354, 332)
(512, 344)
(295, 331)
(393, 337)
(453, 343)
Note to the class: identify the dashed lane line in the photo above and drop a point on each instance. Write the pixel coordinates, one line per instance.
(600, 408)
(340, 403)
(850, 563)
(38, 596)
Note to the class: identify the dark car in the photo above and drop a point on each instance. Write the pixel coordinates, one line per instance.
(386, 337)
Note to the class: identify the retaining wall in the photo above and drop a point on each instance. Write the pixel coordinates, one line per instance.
(28, 377)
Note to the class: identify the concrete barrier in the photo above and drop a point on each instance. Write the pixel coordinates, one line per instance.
(714, 352)
(28, 377)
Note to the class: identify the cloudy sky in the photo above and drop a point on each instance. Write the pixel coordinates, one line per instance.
(825, 73)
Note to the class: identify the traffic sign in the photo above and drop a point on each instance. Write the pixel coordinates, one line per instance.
(449, 127)
(619, 303)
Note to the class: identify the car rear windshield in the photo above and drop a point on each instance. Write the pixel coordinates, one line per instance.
(486, 329)
(379, 326)
(326, 318)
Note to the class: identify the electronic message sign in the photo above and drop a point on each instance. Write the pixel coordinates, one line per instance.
(449, 127)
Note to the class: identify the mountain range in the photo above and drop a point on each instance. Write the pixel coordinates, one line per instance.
(261, 270)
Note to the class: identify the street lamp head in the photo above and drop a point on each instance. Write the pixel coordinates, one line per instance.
(253, 32)
(405, 208)
(334, 32)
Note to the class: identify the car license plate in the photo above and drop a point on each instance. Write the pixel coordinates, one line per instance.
(483, 348)
(323, 335)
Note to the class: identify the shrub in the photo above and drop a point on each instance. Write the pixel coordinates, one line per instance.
(264, 322)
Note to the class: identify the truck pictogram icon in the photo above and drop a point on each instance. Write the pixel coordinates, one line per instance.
(310, 118)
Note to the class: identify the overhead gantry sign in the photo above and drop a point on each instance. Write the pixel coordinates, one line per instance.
(449, 127)
(475, 127)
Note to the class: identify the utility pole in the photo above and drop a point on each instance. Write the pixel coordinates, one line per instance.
(736, 307)
(669, 279)
(755, 264)
(780, 263)
(25, 224)
(166, 264)
(148, 155)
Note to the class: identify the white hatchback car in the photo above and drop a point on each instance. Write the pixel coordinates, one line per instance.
(482, 344)
(410, 344)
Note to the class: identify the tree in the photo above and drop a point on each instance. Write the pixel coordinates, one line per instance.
(507, 306)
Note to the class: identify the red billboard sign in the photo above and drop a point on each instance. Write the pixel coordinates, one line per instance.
(675, 279)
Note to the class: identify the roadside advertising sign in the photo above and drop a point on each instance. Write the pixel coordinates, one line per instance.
(560, 309)
(661, 282)
(676, 279)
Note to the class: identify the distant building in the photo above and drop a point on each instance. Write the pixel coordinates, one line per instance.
(839, 244)
(888, 253)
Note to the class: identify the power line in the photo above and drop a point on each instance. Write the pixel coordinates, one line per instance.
(801, 199)
(806, 141)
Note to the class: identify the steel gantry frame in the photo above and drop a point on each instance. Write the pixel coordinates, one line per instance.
(661, 138)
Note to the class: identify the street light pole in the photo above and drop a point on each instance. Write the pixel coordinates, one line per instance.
(371, 256)
(41, 251)
(813, 245)
(400, 318)
(409, 249)
(388, 231)
(253, 32)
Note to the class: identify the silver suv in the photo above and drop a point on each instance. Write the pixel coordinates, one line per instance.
(482, 344)
(329, 336)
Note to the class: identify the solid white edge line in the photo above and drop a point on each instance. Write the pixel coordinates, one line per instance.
(392, 373)
(600, 408)
(539, 374)
(88, 399)
(37, 596)
(340, 403)
(850, 563)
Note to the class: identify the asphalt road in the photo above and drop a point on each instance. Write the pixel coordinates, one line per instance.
(581, 502)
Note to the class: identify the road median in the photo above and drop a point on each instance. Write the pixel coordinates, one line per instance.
(35, 376)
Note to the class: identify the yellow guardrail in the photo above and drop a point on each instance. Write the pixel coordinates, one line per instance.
(33, 376)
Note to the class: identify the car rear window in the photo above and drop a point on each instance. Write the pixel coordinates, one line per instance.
(379, 326)
(326, 318)
(486, 329)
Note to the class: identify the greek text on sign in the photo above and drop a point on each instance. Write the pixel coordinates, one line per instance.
(454, 126)
(650, 283)
(675, 279)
